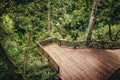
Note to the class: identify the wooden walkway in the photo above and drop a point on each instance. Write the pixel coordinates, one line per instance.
(84, 64)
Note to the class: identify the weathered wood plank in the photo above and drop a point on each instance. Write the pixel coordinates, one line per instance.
(51, 61)
(84, 64)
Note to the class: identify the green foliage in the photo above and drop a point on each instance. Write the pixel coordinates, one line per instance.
(103, 31)
(69, 20)
(7, 24)
(108, 12)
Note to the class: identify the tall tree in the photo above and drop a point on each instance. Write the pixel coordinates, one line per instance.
(26, 53)
(112, 17)
(48, 15)
(92, 21)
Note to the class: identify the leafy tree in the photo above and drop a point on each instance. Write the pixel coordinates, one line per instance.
(92, 21)
(23, 23)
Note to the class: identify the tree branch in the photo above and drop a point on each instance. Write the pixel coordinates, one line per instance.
(8, 59)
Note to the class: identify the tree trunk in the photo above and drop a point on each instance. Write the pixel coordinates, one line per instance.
(91, 21)
(26, 54)
(48, 23)
(110, 34)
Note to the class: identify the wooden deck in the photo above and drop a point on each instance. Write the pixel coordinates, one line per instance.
(84, 64)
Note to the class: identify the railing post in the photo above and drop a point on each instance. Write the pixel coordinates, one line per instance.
(60, 42)
(74, 45)
(58, 69)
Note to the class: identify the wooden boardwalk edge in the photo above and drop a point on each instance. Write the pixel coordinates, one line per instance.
(60, 58)
(52, 63)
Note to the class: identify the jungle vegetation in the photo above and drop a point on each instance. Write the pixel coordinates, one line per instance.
(23, 23)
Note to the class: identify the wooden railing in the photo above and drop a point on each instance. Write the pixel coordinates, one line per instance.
(48, 41)
(52, 63)
(82, 44)
(105, 44)
(74, 44)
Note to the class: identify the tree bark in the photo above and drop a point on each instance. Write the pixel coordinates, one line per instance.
(92, 21)
(26, 54)
(48, 23)
(110, 33)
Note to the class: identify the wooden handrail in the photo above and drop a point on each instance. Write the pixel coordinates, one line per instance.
(82, 44)
(52, 63)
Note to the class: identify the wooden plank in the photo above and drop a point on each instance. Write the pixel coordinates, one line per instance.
(84, 64)
(51, 61)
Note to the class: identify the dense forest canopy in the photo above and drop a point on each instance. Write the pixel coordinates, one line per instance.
(23, 23)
